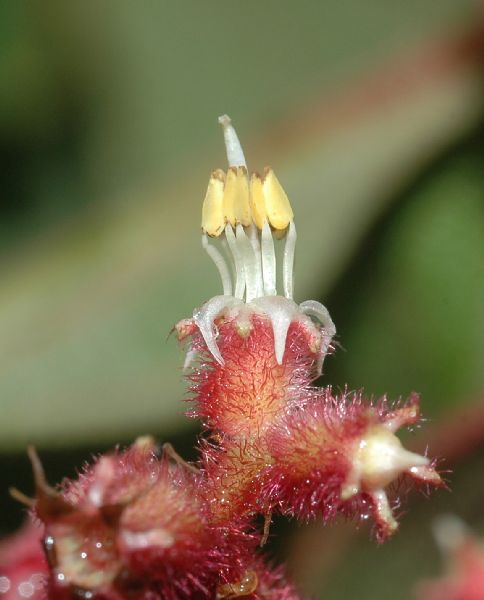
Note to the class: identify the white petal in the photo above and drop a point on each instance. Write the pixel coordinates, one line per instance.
(282, 312)
(319, 312)
(204, 318)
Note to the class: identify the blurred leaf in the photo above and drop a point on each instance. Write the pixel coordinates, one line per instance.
(84, 309)
(410, 317)
(415, 320)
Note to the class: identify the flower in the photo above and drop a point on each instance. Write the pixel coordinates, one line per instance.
(337, 454)
(245, 216)
(145, 525)
(277, 442)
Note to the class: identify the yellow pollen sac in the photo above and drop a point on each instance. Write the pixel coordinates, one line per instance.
(213, 221)
(236, 205)
(278, 208)
(257, 202)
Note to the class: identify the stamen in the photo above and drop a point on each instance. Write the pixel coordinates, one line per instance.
(213, 221)
(255, 242)
(228, 255)
(257, 201)
(220, 263)
(236, 207)
(235, 155)
(238, 262)
(268, 261)
(278, 208)
(248, 257)
(288, 261)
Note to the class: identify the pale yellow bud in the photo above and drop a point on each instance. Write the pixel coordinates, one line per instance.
(257, 201)
(278, 208)
(213, 221)
(236, 197)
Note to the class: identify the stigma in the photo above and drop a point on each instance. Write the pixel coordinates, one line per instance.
(244, 217)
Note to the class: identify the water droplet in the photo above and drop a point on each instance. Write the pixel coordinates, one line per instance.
(49, 542)
(4, 584)
(26, 589)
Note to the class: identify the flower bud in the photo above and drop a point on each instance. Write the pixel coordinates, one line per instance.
(338, 454)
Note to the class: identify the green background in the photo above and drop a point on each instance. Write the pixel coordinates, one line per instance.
(371, 114)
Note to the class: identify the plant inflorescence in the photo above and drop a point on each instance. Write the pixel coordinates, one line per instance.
(143, 524)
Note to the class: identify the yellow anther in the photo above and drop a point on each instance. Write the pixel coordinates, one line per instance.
(236, 197)
(213, 221)
(278, 208)
(257, 202)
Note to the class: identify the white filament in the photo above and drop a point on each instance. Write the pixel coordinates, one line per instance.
(220, 263)
(235, 154)
(228, 254)
(288, 261)
(268, 261)
(247, 254)
(238, 262)
(254, 240)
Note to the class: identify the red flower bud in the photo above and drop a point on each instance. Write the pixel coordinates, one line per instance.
(136, 524)
(336, 455)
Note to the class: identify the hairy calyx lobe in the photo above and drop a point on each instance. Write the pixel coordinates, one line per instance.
(337, 454)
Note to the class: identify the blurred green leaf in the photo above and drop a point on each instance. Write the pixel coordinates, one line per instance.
(85, 307)
(415, 320)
